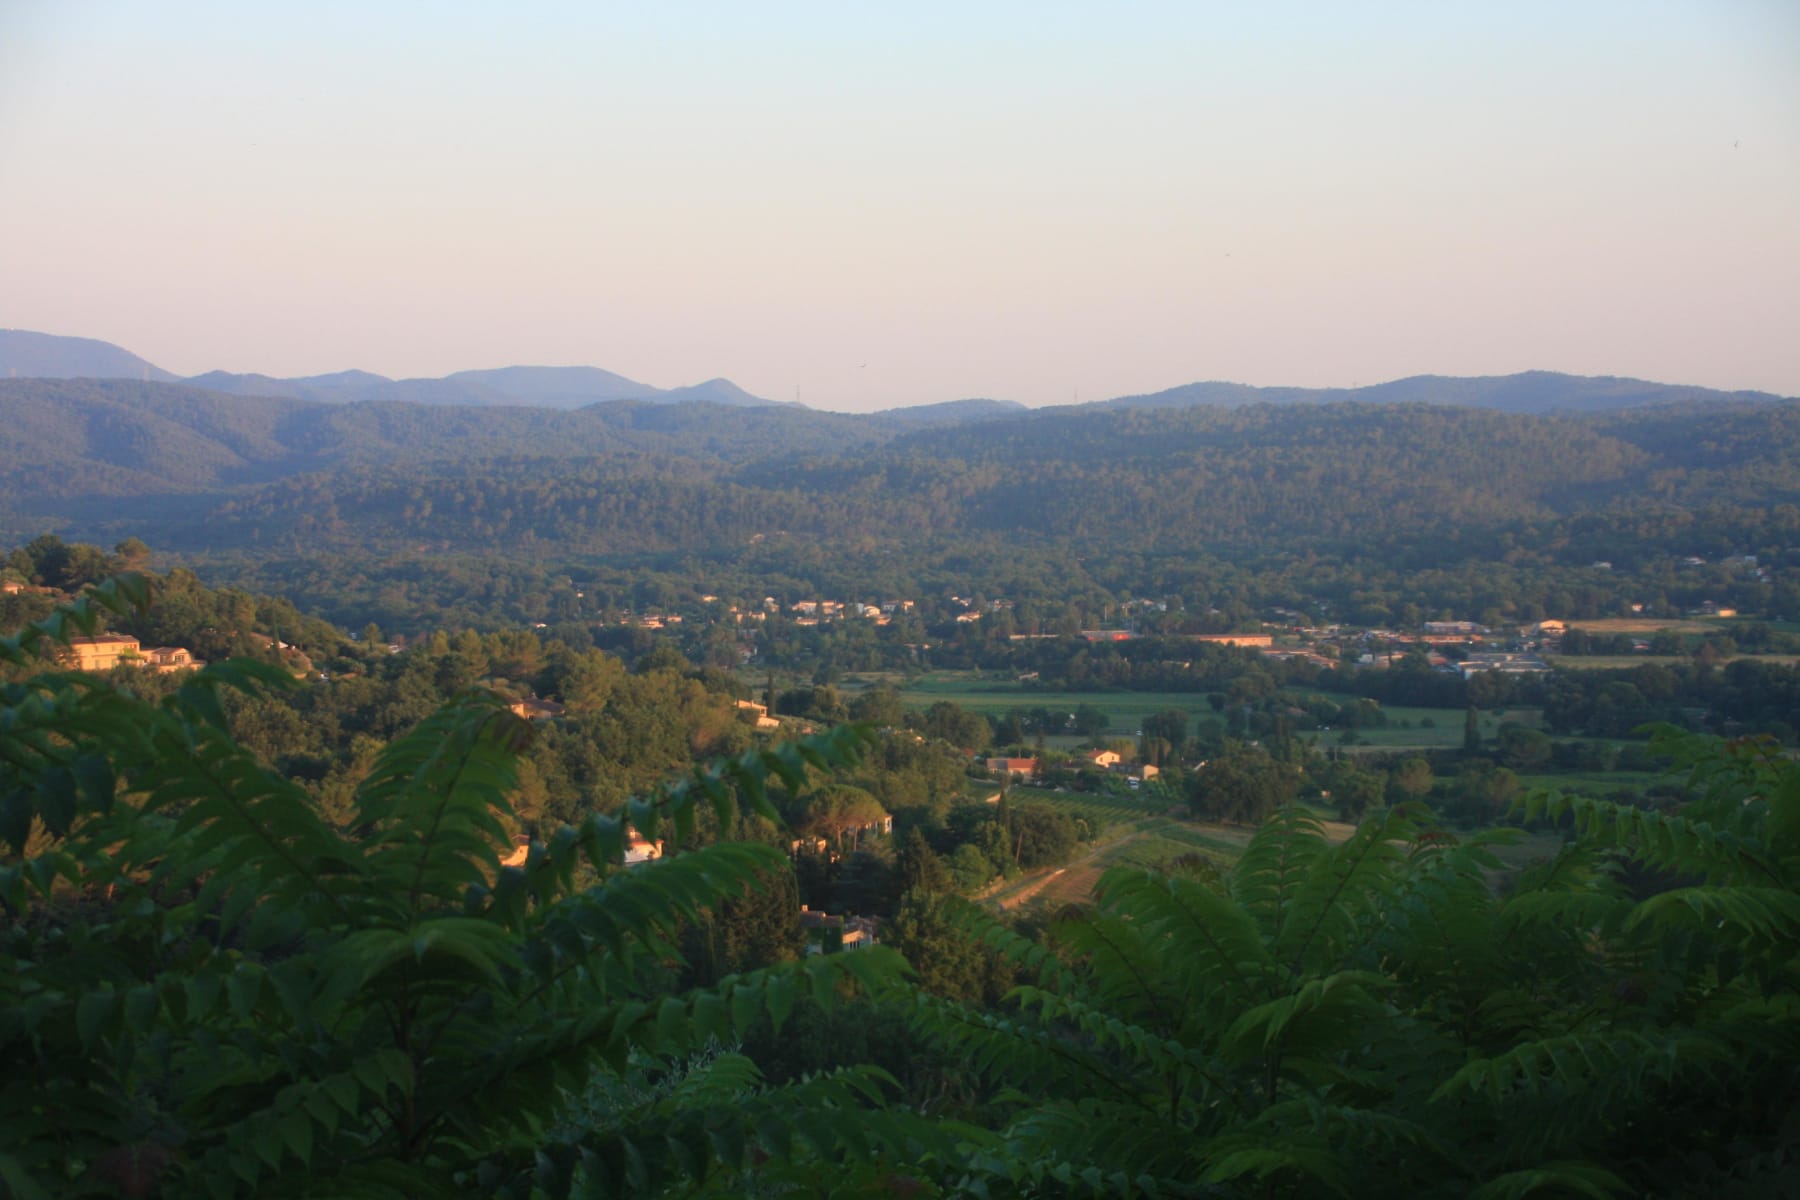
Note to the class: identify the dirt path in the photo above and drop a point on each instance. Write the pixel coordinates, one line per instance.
(1074, 882)
(1084, 865)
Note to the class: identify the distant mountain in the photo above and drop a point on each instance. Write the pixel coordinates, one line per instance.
(537, 387)
(718, 391)
(114, 438)
(501, 387)
(1528, 392)
(185, 467)
(28, 355)
(952, 412)
(24, 354)
(342, 387)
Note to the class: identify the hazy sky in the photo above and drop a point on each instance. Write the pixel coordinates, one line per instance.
(897, 204)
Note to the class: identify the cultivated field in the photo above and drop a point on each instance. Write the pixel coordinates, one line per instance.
(994, 696)
(1651, 625)
(1624, 662)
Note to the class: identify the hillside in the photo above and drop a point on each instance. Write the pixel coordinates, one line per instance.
(1528, 392)
(503, 387)
(632, 476)
(28, 355)
(86, 438)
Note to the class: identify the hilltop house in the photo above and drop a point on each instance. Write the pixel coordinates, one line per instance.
(758, 714)
(170, 658)
(534, 709)
(1018, 768)
(1234, 639)
(102, 652)
(855, 932)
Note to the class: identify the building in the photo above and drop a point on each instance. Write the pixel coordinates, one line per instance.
(1235, 639)
(171, 658)
(534, 709)
(102, 652)
(1506, 664)
(853, 932)
(1102, 758)
(759, 714)
(1017, 768)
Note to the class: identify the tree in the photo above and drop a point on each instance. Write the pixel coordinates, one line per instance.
(1356, 791)
(970, 869)
(133, 554)
(1412, 778)
(1243, 785)
(1090, 721)
(1164, 733)
(1522, 747)
(1041, 836)
(211, 988)
(919, 867)
(1471, 732)
(879, 706)
(837, 810)
(951, 961)
(1372, 1018)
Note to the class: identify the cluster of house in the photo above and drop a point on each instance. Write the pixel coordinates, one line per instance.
(1111, 761)
(534, 709)
(758, 714)
(851, 932)
(103, 652)
(1504, 663)
(813, 612)
(637, 852)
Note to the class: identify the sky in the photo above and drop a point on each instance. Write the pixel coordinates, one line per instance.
(863, 206)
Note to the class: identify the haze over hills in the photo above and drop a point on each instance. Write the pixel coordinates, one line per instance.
(184, 467)
(24, 354)
(1526, 392)
(28, 355)
(501, 387)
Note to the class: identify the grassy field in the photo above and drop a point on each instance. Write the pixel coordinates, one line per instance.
(1591, 783)
(994, 695)
(1407, 728)
(1621, 662)
(1651, 625)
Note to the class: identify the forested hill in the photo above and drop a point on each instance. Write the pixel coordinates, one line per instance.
(25, 354)
(88, 438)
(628, 477)
(1526, 392)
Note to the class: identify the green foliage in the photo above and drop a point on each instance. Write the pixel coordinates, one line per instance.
(208, 988)
(1371, 1018)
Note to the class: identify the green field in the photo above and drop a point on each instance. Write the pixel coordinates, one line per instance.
(1407, 728)
(994, 696)
(1096, 808)
(1623, 662)
(1590, 783)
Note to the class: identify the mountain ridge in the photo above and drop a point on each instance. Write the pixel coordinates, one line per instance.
(32, 355)
(24, 353)
(1521, 392)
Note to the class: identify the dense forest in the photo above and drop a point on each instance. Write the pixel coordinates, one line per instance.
(265, 932)
(418, 518)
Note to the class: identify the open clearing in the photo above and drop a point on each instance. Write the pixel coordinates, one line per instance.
(1624, 662)
(995, 696)
(1650, 625)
